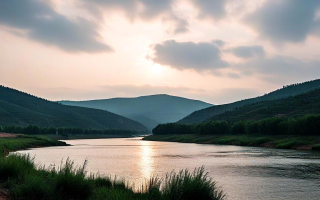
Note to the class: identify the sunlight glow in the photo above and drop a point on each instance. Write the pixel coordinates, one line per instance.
(157, 69)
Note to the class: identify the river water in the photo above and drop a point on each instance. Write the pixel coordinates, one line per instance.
(242, 172)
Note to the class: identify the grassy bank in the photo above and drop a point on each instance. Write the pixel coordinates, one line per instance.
(281, 142)
(24, 142)
(25, 180)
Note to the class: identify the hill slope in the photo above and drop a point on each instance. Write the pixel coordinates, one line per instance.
(296, 106)
(18, 108)
(287, 91)
(148, 110)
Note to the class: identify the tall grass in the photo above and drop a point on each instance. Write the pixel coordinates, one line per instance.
(25, 180)
(187, 185)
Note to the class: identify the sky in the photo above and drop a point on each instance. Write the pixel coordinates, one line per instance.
(217, 51)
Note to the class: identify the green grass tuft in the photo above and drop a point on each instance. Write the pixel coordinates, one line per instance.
(187, 185)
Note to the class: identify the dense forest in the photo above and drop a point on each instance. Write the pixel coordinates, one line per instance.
(286, 91)
(37, 130)
(307, 125)
(22, 109)
(296, 106)
(295, 115)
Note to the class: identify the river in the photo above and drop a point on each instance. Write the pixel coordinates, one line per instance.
(242, 172)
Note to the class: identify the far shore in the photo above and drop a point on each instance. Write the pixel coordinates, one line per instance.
(267, 141)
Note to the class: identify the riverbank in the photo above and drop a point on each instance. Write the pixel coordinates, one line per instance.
(21, 178)
(83, 136)
(14, 142)
(279, 142)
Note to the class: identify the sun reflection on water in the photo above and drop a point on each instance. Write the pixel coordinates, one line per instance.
(146, 159)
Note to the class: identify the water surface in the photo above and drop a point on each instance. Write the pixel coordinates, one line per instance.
(242, 172)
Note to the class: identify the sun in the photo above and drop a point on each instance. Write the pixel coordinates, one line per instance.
(157, 69)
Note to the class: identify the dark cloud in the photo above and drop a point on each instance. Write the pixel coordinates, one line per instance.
(188, 55)
(248, 51)
(211, 8)
(285, 20)
(180, 25)
(152, 8)
(43, 24)
(219, 43)
(134, 8)
(143, 9)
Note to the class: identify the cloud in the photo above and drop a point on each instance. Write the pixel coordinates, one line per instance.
(44, 25)
(281, 69)
(179, 25)
(144, 9)
(211, 8)
(282, 21)
(188, 55)
(219, 43)
(248, 51)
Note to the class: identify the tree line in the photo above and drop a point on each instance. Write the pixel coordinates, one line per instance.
(37, 130)
(307, 125)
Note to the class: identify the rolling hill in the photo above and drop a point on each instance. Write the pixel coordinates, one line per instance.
(22, 109)
(286, 91)
(148, 110)
(295, 106)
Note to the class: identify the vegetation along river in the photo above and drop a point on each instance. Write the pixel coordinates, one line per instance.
(242, 172)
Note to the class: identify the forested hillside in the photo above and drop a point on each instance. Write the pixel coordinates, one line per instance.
(22, 109)
(296, 106)
(148, 110)
(286, 91)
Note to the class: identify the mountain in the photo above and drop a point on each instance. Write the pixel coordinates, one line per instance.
(295, 106)
(148, 110)
(286, 91)
(21, 109)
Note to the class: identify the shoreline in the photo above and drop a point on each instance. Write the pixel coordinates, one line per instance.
(266, 141)
(78, 137)
(21, 178)
(24, 142)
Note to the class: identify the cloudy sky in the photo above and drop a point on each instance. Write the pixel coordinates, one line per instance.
(217, 51)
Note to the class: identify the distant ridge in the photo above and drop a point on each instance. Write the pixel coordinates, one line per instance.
(286, 91)
(21, 109)
(148, 110)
